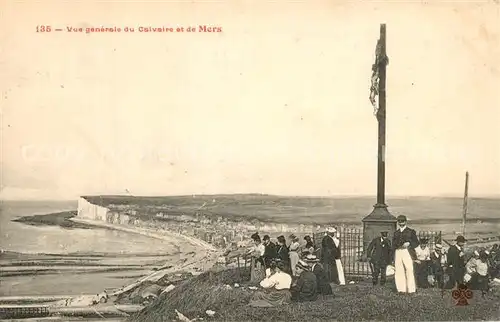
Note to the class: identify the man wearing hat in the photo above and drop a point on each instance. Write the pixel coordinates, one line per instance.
(438, 265)
(404, 242)
(306, 287)
(456, 262)
(329, 254)
(324, 286)
(379, 253)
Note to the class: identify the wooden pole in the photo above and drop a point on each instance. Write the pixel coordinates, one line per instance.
(466, 193)
(381, 115)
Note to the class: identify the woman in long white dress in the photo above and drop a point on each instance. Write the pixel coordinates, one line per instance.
(294, 253)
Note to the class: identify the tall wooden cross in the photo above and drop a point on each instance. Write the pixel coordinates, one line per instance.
(381, 114)
(379, 219)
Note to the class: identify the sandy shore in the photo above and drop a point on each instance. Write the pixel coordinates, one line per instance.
(164, 235)
(202, 257)
(76, 274)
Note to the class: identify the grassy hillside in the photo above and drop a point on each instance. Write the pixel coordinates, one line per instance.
(354, 302)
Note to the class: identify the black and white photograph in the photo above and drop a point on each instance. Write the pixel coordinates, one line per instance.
(250, 160)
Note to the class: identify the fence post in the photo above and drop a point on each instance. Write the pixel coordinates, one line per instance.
(239, 269)
(346, 234)
(356, 251)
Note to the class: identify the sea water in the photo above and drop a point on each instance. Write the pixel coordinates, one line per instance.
(23, 238)
(115, 248)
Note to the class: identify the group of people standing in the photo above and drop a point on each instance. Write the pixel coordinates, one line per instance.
(416, 266)
(294, 272)
(265, 251)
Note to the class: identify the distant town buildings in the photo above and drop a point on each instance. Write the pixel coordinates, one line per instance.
(215, 229)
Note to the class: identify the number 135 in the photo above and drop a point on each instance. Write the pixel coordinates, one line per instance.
(43, 29)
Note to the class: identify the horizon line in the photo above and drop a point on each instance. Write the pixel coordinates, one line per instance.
(454, 196)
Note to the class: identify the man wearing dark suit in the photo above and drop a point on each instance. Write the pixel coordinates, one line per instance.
(324, 286)
(329, 253)
(456, 262)
(404, 242)
(271, 251)
(380, 254)
(438, 263)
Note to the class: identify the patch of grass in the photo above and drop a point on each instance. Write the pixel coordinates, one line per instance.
(198, 294)
(354, 302)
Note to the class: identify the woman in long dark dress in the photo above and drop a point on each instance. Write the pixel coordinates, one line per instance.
(257, 269)
(283, 254)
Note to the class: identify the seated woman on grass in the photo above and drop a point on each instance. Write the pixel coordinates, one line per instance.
(276, 288)
(477, 272)
(306, 287)
(323, 285)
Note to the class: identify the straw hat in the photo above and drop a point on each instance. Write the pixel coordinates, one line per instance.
(311, 259)
(302, 265)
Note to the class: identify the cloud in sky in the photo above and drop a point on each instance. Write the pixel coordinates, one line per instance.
(276, 103)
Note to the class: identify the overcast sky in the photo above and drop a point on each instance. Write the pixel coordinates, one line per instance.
(277, 103)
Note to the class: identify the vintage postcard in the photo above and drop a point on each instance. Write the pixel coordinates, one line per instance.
(250, 160)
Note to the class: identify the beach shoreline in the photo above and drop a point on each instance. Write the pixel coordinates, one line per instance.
(84, 272)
